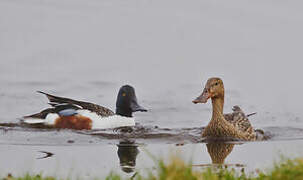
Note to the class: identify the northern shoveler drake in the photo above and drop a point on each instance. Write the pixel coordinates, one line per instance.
(233, 125)
(73, 114)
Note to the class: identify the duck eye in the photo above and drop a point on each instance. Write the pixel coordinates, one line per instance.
(123, 94)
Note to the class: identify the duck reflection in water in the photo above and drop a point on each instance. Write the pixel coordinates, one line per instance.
(127, 153)
(219, 151)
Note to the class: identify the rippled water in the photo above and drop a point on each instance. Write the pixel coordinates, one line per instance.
(167, 50)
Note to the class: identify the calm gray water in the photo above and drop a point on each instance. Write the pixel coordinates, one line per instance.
(166, 49)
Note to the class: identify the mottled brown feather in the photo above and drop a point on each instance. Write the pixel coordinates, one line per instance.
(239, 120)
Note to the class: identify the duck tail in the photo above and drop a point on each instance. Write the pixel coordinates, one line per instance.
(29, 120)
(251, 114)
(36, 118)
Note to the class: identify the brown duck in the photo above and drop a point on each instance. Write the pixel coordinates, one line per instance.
(234, 125)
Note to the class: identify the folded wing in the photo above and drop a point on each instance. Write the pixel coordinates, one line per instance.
(239, 120)
(100, 110)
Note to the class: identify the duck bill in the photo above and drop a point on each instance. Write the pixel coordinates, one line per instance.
(202, 98)
(136, 107)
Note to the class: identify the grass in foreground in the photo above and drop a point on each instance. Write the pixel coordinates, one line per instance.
(177, 169)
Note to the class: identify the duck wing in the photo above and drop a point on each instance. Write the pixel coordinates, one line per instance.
(61, 109)
(40, 115)
(56, 101)
(239, 120)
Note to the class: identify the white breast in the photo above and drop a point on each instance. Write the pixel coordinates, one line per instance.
(107, 122)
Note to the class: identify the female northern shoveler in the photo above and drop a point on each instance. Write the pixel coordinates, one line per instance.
(73, 114)
(233, 125)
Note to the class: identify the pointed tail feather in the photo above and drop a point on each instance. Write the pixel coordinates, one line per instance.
(29, 120)
(40, 115)
(38, 118)
(251, 114)
(35, 116)
(45, 117)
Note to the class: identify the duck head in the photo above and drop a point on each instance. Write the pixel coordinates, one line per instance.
(214, 88)
(127, 102)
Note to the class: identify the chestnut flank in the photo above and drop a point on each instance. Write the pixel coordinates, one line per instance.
(73, 122)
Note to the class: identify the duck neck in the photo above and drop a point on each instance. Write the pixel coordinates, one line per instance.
(217, 104)
(124, 112)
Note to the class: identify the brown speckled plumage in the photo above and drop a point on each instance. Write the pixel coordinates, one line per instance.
(239, 120)
(233, 125)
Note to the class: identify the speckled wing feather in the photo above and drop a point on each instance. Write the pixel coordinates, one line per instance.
(100, 110)
(239, 120)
